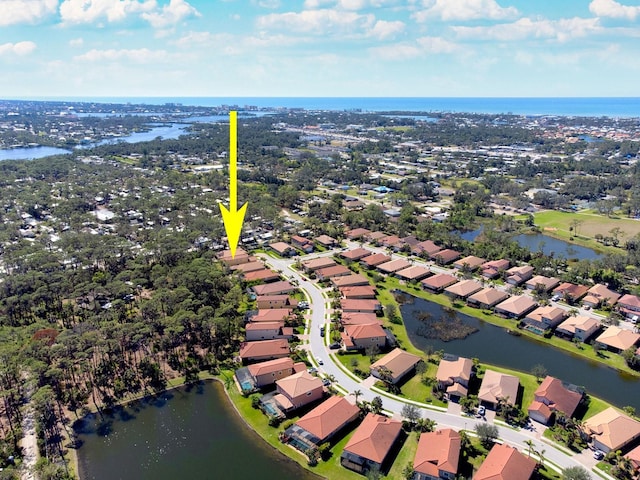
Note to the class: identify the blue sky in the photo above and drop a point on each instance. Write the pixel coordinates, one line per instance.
(444, 48)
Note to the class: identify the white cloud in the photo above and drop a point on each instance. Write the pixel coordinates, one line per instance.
(76, 42)
(140, 55)
(20, 48)
(465, 10)
(613, 9)
(175, 12)
(318, 22)
(561, 30)
(384, 29)
(25, 11)
(87, 11)
(421, 47)
(348, 4)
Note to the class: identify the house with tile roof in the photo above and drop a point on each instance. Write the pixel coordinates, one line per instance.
(302, 243)
(330, 272)
(398, 362)
(318, 263)
(629, 306)
(634, 457)
(496, 385)
(241, 257)
(445, 257)
(267, 331)
(554, 395)
(518, 275)
(248, 267)
(374, 260)
(470, 262)
(357, 233)
(505, 463)
(437, 456)
(271, 315)
(363, 292)
(438, 282)
(414, 273)
(360, 306)
(426, 248)
(453, 375)
(251, 352)
(350, 280)
(516, 306)
(599, 294)
(283, 249)
(611, 430)
(266, 373)
(545, 317)
(487, 298)
(355, 254)
(371, 443)
(617, 339)
(326, 241)
(543, 283)
(264, 302)
(275, 288)
(494, 268)
(348, 318)
(393, 266)
(321, 424)
(463, 289)
(298, 390)
(570, 292)
(263, 276)
(363, 336)
(580, 327)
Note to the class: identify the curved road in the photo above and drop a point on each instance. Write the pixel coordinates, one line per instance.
(320, 309)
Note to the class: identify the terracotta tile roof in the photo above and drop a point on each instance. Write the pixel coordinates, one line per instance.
(464, 288)
(264, 275)
(326, 240)
(298, 384)
(248, 267)
(357, 233)
(394, 265)
(448, 370)
(355, 254)
(619, 338)
(317, 263)
(579, 322)
(272, 314)
(554, 314)
(281, 247)
(375, 259)
(517, 305)
(497, 385)
(603, 294)
(375, 236)
(276, 365)
(334, 271)
(241, 256)
(445, 256)
(471, 262)
(351, 318)
(630, 301)
(350, 280)
(328, 417)
(415, 272)
(427, 246)
(374, 437)
(397, 361)
(547, 282)
(494, 266)
(540, 409)
(505, 463)
(265, 348)
(558, 395)
(571, 290)
(363, 305)
(612, 428)
(488, 296)
(364, 331)
(439, 450)
(264, 326)
(634, 456)
(358, 291)
(439, 280)
(273, 288)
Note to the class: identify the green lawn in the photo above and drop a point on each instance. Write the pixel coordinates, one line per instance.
(405, 456)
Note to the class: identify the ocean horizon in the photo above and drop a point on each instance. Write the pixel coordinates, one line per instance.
(623, 107)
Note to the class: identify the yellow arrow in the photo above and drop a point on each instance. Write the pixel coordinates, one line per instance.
(233, 218)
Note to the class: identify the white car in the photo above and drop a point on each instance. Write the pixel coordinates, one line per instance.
(598, 454)
(320, 362)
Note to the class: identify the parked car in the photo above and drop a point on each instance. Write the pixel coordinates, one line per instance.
(320, 362)
(335, 346)
(482, 410)
(598, 454)
(326, 382)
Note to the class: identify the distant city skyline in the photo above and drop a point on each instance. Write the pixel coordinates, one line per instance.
(335, 48)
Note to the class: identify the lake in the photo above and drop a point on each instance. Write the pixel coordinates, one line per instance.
(548, 245)
(170, 131)
(492, 344)
(184, 433)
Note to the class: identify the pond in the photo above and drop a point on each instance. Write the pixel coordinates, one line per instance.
(493, 345)
(30, 153)
(189, 434)
(549, 245)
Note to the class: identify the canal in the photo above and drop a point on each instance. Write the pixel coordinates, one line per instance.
(184, 433)
(493, 345)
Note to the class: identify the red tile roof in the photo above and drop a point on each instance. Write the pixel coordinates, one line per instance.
(328, 417)
(505, 463)
(438, 451)
(374, 437)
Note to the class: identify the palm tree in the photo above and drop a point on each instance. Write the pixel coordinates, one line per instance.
(357, 393)
(530, 444)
